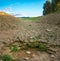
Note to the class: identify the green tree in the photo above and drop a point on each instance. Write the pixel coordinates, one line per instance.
(47, 8)
(51, 7)
(55, 4)
(58, 7)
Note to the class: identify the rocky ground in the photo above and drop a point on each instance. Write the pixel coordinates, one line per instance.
(46, 30)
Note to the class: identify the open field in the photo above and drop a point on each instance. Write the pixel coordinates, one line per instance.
(31, 18)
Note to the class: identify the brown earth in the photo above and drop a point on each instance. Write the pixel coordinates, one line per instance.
(47, 29)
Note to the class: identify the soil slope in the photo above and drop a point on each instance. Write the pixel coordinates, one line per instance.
(46, 29)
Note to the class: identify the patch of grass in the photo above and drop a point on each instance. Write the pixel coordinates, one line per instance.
(34, 18)
(14, 48)
(7, 58)
(42, 47)
(31, 18)
(31, 44)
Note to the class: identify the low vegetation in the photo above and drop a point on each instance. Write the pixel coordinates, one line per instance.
(35, 45)
(31, 18)
(7, 58)
(42, 47)
(14, 48)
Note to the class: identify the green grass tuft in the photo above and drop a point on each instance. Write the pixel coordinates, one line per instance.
(7, 58)
(14, 48)
(42, 47)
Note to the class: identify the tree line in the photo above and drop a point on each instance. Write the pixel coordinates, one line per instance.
(51, 6)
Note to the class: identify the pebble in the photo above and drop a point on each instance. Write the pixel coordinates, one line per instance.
(31, 37)
(26, 58)
(48, 30)
(33, 55)
(28, 52)
(52, 56)
(31, 40)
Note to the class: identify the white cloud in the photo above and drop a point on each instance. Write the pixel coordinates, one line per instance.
(11, 11)
(8, 9)
(16, 14)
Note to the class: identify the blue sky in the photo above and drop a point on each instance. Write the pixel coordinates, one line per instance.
(22, 7)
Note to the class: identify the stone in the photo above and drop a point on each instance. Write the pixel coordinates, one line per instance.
(31, 37)
(26, 58)
(31, 40)
(33, 55)
(48, 30)
(52, 56)
(28, 52)
(52, 49)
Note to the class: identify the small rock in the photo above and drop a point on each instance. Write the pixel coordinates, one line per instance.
(52, 49)
(31, 37)
(31, 40)
(48, 30)
(52, 56)
(33, 55)
(26, 58)
(28, 52)
(18, 48)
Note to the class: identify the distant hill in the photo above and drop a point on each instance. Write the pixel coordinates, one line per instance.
(8, 21)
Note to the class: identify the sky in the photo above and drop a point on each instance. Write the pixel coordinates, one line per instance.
(27, 8)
